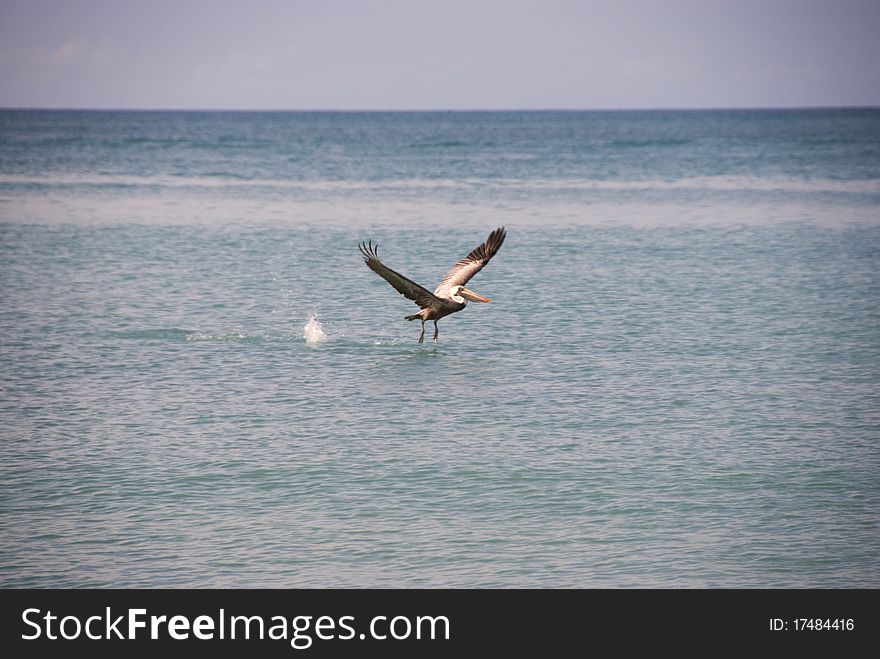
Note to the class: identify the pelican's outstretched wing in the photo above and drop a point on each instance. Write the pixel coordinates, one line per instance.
(421, 296)
(471, 264)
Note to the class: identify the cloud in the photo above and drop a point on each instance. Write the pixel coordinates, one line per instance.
(70, 53)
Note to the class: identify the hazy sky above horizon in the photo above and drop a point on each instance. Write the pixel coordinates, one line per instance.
(441, 54)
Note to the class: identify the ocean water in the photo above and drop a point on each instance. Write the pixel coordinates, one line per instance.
(677, 383)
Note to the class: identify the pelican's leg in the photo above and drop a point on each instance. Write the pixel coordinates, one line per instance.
(436, 331)
(422, 335)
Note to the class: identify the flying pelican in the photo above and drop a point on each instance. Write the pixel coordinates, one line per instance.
(451, 295)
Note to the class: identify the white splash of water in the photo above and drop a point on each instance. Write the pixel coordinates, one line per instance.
(313, 332)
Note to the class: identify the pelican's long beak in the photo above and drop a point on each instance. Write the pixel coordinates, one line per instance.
(470, 295)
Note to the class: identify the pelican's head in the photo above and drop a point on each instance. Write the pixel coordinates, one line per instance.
(461, 294)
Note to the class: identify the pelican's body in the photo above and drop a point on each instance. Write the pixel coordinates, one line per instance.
(451, 295)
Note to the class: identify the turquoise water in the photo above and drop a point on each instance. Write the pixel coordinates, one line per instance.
(676, 384)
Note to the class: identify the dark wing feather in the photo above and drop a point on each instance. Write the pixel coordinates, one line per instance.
(421, 296)
(471, 264)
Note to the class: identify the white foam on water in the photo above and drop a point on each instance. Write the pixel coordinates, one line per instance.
(390, 341)
(313, 331)
(235, 337)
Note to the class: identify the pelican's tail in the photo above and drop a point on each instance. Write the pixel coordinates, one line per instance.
(415, 316)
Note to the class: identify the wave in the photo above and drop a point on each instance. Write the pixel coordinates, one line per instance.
(638, 144)
(449, 144)
(161, 334)
(719, 183)
(188, 335)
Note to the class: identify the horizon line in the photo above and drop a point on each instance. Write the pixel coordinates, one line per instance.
(36, 108)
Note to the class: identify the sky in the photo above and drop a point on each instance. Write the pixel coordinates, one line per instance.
(439, 54)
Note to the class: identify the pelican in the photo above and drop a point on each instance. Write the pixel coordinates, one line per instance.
(451, 295)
